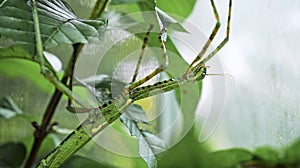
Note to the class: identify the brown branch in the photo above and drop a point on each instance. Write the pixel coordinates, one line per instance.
(43, 130)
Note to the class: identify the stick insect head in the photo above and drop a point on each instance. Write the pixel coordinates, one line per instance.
(198, 72)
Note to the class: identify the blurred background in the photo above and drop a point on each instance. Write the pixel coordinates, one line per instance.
(263, 55)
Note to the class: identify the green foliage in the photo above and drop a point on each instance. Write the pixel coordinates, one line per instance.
(8, 108)
(12, 155)
(79, 162)
(58, 24)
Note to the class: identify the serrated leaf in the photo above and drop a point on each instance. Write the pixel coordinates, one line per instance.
(79, 162)
(149, 144)
(8, 108)
(12, 155)
(58, 24)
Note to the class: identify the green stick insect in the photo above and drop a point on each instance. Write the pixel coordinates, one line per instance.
(101, 117)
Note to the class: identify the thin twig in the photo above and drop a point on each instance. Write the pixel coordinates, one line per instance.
(43, 130)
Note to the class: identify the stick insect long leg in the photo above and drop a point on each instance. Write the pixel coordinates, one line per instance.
(162, 66)
(211, 37)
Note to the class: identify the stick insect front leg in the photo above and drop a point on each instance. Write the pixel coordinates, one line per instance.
(161, 67)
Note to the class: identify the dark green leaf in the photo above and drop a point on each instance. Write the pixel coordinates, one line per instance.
(12, 155)
(57, 22)
(8, 108)
(79, 162)
(119, 2)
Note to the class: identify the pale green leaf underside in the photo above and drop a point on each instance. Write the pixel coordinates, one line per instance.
(58, 24)
(149, 144)
(8, 108)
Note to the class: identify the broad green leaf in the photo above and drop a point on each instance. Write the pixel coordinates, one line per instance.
(8, 108)
(58, 24)
(179, 8)
(79, 162)
(187, 153)
(12, 68)
(12, 155)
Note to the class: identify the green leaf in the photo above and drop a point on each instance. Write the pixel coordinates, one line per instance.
(292, 154)
(119, 2)
(12, 155)
(14, 51)
(58, 24)
(136, 113)
(149, 144)
(187, 153)
(78, 162)
(169, 22)
(179, 8)
(267, 154)
(8, 108)
(230, 157)
(102, 86)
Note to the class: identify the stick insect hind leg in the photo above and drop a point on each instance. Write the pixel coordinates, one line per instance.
(210, 39)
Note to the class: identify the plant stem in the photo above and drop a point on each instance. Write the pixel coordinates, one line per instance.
(42, 131)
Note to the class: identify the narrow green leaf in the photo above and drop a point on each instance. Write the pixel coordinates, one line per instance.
(8, 108)
(12, 155)
(58, 24)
